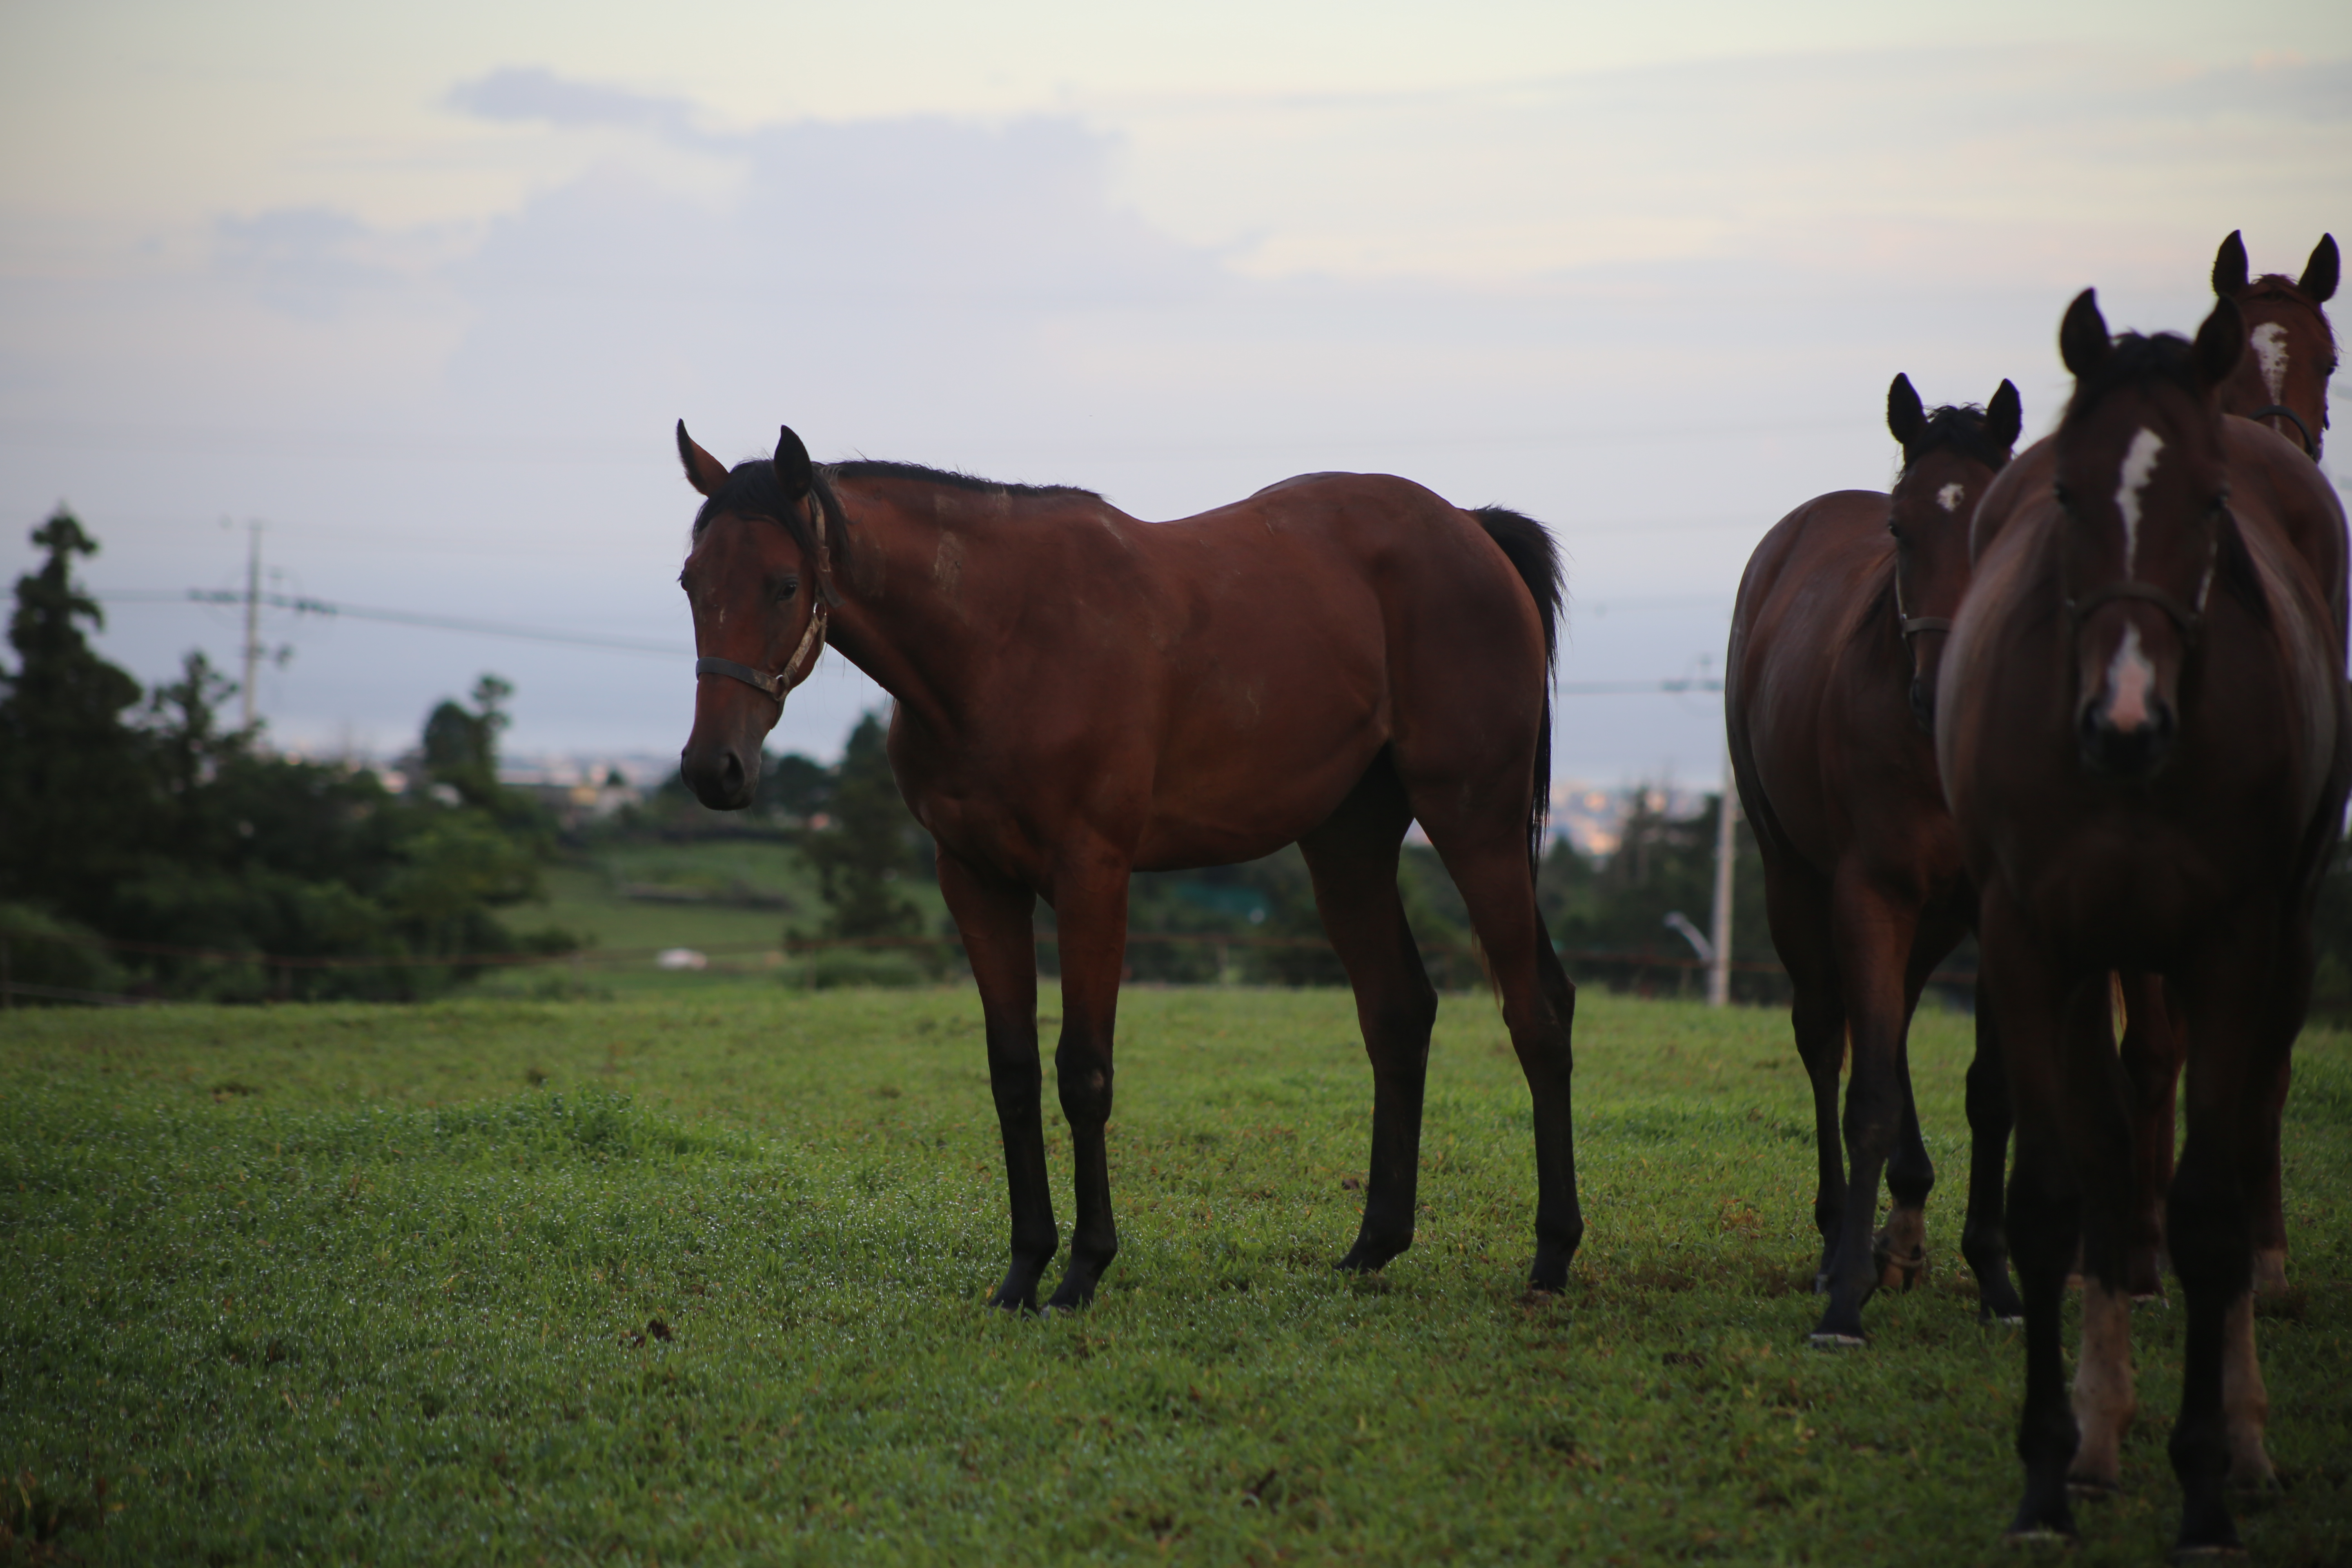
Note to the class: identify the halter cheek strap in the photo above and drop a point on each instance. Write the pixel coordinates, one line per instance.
(774, 687)
(2280, 411)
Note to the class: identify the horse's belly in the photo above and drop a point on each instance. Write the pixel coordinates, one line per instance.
(1263, 792)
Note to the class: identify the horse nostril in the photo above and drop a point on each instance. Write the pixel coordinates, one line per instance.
(730, 774)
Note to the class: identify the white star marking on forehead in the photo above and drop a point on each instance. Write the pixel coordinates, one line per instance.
(2139, 467)
(1949, 498)
(2269, 352)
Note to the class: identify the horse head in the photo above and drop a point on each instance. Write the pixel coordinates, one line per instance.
(2283, 382)
(1948, 458)
(758, 581)
(2142, 484)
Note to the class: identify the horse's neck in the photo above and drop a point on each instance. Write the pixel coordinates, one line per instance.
(903, 618)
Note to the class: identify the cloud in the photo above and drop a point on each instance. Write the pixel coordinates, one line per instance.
(307, 261)
(519, 94)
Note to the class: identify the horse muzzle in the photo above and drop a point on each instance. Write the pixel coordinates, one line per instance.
(718, 775)
(2131, 746)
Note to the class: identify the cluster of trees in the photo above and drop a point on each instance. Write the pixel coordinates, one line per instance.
(145, 819)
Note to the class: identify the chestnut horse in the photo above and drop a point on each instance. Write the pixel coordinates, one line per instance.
(1081, 695)
(2284, 382)
(2144, 737)
(1827, 701)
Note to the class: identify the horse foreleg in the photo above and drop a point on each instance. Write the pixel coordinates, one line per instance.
(2270, 1215)
(2151, 1052)
(2045, 1207)
(1091, 914)
(2100, 1111)
(1353, 858)
(1984, 1234)
(993, 917)
(1898, 1250)
(2239, 1035)
(1874, 934)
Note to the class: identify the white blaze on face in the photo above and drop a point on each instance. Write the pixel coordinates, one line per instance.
(2130, 679)
(1950, 496)
(2269, 354)
(2139, 467)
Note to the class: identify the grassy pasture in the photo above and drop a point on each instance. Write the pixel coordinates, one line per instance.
(378, 1284)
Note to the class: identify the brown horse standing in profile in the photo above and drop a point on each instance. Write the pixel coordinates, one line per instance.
(1081, 695)
(1828, 695)
(2145, 736)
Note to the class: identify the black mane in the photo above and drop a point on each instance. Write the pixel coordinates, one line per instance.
(2136, 358)
(866, 468)
(1962, 427)
(752, 490)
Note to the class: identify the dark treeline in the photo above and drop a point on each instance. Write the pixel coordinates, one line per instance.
(144, 817)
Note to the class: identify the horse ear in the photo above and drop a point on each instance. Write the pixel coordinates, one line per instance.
(2220, 342)
(2082, 340)
(1905, 416)
(2229, 265)
(703, 471)
(2321, 273)
(793, 471)
(2004, 416)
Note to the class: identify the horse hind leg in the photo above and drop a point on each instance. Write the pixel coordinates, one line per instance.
(1487, 853)
(1800, 909)
(1353, 859)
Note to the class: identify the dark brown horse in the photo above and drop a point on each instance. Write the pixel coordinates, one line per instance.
(2144, 734)
(1081, 695)
(1828, 695)
(2282, 381)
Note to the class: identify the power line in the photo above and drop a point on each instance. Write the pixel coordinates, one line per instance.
(305, 606)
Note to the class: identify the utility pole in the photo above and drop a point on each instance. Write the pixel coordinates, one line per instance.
(252, 619)
(1727, 844)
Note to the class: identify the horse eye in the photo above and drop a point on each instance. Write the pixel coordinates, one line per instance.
(792, 585)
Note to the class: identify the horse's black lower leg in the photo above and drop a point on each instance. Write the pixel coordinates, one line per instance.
(1090, 910)
(2150, 1052)
(1819, 1021)
(1875, 942)
(1559, 1217)
(2045, 1223)
(1984, 1234)
(993, 918)
(1899, 1248)
(1352, 856)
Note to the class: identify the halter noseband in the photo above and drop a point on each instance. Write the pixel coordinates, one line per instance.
(2280, 410)
(774, 687)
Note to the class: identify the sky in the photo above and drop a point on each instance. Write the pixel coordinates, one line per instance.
(422, 289)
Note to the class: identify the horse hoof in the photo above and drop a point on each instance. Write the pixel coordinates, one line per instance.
(1900, 1273)
(1822, 1340)
(2091, 1488)
(2040, 1536)
(2207, 1553)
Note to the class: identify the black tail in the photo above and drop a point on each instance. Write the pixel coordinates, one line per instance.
(1530, 545)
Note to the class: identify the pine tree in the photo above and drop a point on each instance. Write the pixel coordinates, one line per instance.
(75, 794)
(860, 857)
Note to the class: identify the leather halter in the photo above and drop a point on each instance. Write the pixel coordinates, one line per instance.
(2190, 620)
(774, 687)
(1914, 625)
(2280, 411)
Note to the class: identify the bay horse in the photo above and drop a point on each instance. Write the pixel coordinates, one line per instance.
(2284, 382)
(1828, 695)
(1081, 695)
(2144, 737)
(2280, 383)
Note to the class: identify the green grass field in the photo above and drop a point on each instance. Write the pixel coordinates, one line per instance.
(697, 1276)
